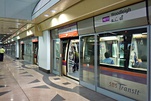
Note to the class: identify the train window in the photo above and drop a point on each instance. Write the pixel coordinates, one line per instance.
(123, 61)
(88, 48)
(126, 49)
(138, 52)
(112, 50)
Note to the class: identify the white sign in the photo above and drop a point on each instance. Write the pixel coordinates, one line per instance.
(127, 13)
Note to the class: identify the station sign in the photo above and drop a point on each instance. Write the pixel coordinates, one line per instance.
(120, 15)
(68, 31)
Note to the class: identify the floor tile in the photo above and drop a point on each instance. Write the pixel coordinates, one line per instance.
(21, 81)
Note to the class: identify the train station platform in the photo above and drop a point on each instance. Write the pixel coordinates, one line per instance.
(21, 81)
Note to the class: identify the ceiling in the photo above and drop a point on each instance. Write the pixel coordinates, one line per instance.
(59, 7)
(14, 17)
(9, 26)
(14, 14)
(18, 15)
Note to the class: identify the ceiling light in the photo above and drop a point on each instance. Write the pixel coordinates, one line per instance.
(46, 15)
(18, 23)
(12, 99)
(53, 11)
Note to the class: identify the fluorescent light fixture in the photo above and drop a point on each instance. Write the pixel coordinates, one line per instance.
(137, 35)
(108, 38)
(46, 15)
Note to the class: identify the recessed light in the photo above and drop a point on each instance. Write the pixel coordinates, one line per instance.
(46, 15)
(53, 11)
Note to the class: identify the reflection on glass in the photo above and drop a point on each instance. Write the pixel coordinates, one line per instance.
(87, 59)
(121, 50)
(13, 50)
(110, 52)
(28, 49)
(138, 52)
(114, 52)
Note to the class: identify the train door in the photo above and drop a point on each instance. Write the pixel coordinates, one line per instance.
(64, 56)
(56, 56)
(122, 62)
(71, 58)
(35, 52)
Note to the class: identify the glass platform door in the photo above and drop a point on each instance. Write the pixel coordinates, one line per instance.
(56, 56)
(87, 61)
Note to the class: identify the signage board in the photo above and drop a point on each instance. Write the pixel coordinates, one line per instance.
(68, 31)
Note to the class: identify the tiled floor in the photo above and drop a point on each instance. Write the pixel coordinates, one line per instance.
(24, 82)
